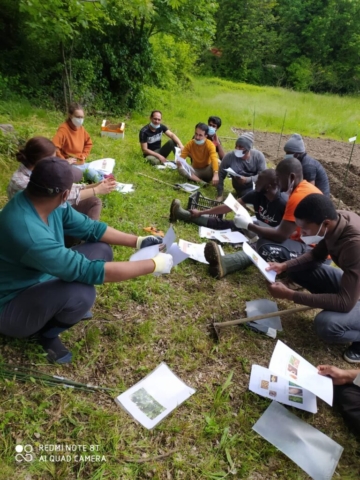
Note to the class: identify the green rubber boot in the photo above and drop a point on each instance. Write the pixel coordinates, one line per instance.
(179, 213)
(219, 265)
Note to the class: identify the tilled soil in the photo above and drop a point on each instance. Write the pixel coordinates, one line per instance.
(333, 155)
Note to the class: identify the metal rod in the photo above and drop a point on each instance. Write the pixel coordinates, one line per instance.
(282, 129)
(346, 173)
(160, 181)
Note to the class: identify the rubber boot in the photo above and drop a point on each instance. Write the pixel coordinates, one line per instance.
(179, 213)
(219, 265)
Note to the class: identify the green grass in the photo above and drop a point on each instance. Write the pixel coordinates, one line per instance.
(140, 323)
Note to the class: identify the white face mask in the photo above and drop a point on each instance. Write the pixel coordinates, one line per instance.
(314, 239)
(77, 121)
(239, 153)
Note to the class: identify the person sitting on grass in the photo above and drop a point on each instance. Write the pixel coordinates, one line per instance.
(81, 197)
(205, 163)
(214, 123)
(73, 144)
(150, 140)
(275, 244)
(269, 205)
(335, 290)
(313, 171)
(46, 288)
(246, 161)
(346, 394)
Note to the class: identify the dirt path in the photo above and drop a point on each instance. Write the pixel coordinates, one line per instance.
(332, 154)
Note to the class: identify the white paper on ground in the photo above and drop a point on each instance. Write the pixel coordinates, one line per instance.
(169, 238)
(188, 187)
(266, 383)
(105, 165)
(124, 187)
(314, 452)
(232, 172)
(209, 233)
(235, 206)
(160, 167)
(195, 251)
(287, 363)
(259, 262)
(177, 254)
(154, 397)
(231, 237)
(145, 253)
(261, 306)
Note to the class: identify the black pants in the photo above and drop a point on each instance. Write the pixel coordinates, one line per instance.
(53, 302)
(347, 400)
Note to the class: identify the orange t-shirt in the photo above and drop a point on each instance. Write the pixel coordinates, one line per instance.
(71, 141)
(301, 191)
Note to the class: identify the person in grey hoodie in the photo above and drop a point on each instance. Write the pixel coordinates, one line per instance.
(246, 162)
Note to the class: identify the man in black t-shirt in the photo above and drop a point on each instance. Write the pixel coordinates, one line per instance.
(150, 140)
(269, 206)
(313, 171)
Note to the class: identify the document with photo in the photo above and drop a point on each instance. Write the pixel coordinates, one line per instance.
(259, 262)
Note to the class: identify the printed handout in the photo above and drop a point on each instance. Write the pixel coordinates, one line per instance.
(231, 171)
(105, 165)
(209, 233)
(314, 452)
(266, 383)
(154, 397)
(259, 262)
(124, 187)
(287, 363)
(224, 236)
(195, 250)
(184, 164)
(235, 206)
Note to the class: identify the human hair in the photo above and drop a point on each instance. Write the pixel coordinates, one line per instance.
(290, 165)
(155, 111)
(202, 126)
(216, 120)
(35, 149)
(74, 106)
(315, 208)
(269, 174)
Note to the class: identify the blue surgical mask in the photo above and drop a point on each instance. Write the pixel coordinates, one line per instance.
(313, 239)
(77, 121)
(154, 126)
(199, 142)
(211, 131)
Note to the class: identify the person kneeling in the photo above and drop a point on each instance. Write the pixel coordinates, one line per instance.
(46, 288)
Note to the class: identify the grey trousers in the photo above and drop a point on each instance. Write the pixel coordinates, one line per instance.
(332, 327)
(165, 151)
(205, 174)
(53, 302)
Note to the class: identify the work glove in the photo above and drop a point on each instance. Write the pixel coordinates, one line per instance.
(163, 263)
(143, 242)
(242, 221)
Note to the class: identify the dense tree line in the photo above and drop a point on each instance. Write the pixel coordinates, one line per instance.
(103, 52)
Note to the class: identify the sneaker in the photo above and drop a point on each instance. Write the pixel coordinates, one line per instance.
(352, 353)
(55, 349)
(213, 256)
(174, 208)
(87, 315)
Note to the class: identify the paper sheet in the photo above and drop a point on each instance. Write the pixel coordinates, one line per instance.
(145, 253)
(124, 187)
(235, 206)
(169, 238)
(188, 187)
(184, 164)
(154, 397)
(314, 452)
(231, 171)
(269, 326)
(209, 233)
(177, 254)
(266, 383)
(170, 165)
(259, 262)
(287, 363)
(231, 237)
(195, 250)
(105, 165)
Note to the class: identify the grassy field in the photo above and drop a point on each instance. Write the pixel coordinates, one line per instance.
(143, 322)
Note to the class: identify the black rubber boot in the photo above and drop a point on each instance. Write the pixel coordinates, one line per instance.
(179, 213)
(220, 265)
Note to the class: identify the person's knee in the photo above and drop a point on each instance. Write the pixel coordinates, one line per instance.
(327, 328)
(183, 172)
(152, 160)
(104, 252)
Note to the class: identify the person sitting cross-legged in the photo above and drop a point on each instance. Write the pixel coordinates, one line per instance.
(335, 290)
(269, 205)
(205, 163)
(46, 288)
(275, 244)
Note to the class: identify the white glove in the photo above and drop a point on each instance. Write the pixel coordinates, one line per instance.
(163, 263)
(241, 221)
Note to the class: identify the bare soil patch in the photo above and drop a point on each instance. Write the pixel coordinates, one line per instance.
(334, 156)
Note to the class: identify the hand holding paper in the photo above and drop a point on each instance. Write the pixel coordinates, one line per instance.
(163, 263)
(278, 290)
(242, 221)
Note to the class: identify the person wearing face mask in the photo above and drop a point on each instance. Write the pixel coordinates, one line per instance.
(277, 244)
(334, 290)
(150, 140)
(268, 202)
(246, 161)
(214, 123)
(313, 171)
(46, 288)
(73, 144)
(205, 163)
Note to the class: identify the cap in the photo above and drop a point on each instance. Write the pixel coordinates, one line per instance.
(51, 175)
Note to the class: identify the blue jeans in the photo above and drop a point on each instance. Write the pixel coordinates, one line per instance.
(90, 174)
(332, 327)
